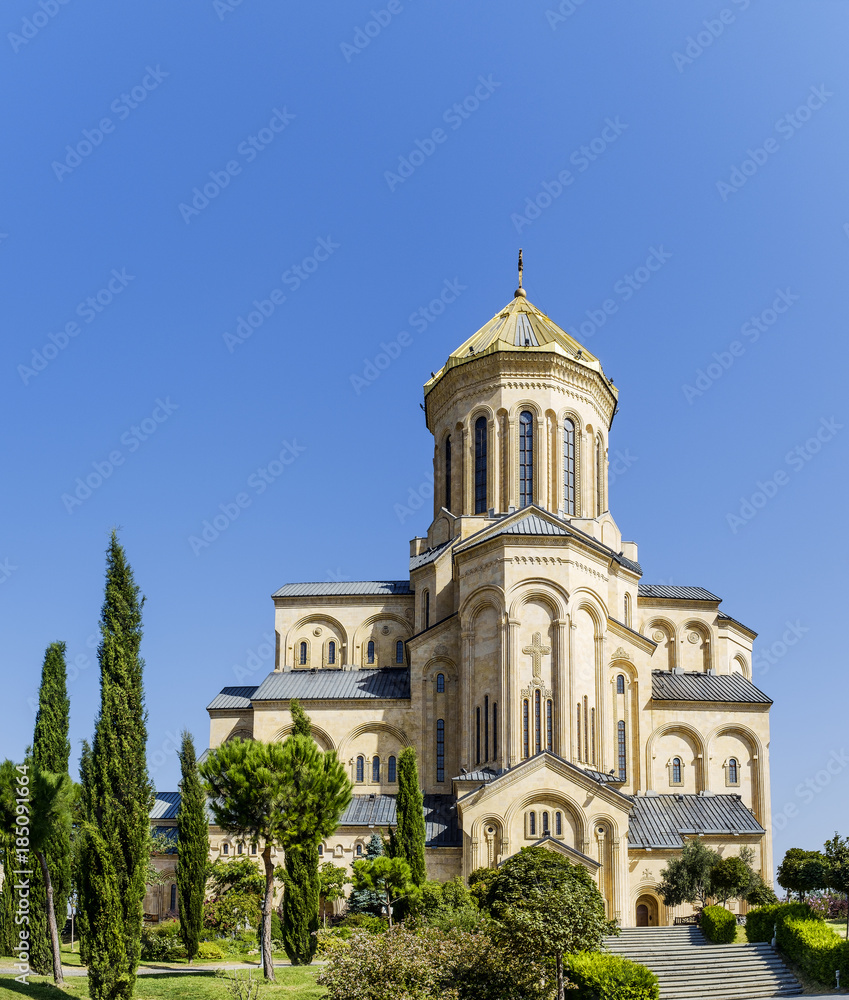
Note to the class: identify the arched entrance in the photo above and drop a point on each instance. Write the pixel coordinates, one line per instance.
(646, 911)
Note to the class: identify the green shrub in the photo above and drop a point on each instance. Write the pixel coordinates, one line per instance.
(364, 921)
(209, 952)
(599, 976)
(161, 943)
(760, 922)
(719, 925)
(815, 948)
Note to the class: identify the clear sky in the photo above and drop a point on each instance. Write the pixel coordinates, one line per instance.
(173, 174)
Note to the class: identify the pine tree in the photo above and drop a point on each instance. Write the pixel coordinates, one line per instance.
(367, 900)
(301, 724)
(51, 751)
(301, 895)
(117, 800)
(192, 848)
(410, 832)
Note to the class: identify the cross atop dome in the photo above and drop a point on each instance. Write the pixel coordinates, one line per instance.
(520, 292)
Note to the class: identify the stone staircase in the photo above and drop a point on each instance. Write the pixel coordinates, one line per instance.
(689, 967)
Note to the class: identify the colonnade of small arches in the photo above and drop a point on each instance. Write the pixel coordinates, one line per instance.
(321, 641)
(496, 459)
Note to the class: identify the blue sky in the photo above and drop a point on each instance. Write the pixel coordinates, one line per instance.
(336, 187)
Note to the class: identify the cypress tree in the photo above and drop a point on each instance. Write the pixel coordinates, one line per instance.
(192, 848)
(301, 894)
(367, 900)
(8, 931)
(410, 832)
(51, 751)
(118, 797)
(301, 724)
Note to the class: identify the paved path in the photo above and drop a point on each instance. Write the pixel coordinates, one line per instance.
(72, 971)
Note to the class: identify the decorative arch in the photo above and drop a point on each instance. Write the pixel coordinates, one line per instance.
(545, 592)
(667, 645)
(487, 596)
(241, 732)
(587, 600)
(362, 633)
(742, 665)
(440, 665)
(558, 800)
(673, 728)
(695, 626)
(294, 636)
(373, 727)
(525, 404)
(321, 736)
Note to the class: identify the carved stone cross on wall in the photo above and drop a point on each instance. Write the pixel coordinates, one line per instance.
(536, 651)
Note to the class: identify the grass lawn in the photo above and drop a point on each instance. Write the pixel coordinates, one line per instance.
(839, 926)
(292, 983)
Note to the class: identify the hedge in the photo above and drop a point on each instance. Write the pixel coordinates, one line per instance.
(760, 922)
(719, 925)
(815, 948)
(600, 976)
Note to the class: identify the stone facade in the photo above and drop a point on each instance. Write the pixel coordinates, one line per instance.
(523, 657)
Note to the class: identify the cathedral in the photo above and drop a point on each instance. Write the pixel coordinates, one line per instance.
(552, 696)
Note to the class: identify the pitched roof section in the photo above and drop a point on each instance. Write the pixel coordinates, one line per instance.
(669, 593)
(659, 821)
(346, 588)
(532, 525)
(311, 685)
(520, 326)
(440, 815)
(165, 805)
(727, 688)
(430, 555)
(232, 697)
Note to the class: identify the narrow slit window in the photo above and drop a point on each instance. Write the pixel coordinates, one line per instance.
(448, 473)
(558, 824)
(440, 683)
(526, 458)
(676, 770)
(375, 768)
(526, 751)
(391, 770)
(361, 769)
(478, 735)
(427, 609)
(549, 725)
(599, 477)
(486, 728)
(302, 659)
(537, 723)
(733, 771)
(370, 651)
(545, 828)
(480, 465)
(622, 748)
(532, 823)
(399, 651)
(440, 750)
(620, 684)
(495, 730)
(569, 468)
(331, 652)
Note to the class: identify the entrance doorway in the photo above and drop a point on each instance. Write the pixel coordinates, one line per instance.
(646, 911)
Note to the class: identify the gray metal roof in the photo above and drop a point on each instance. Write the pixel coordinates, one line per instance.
(306, 685)
(482, 775)
(430, 555)
(165, 805)
(670, 593)
(660, 821)
(346, 588)
(668, 686)
(232, 697)
(531, 525)
(440, 815)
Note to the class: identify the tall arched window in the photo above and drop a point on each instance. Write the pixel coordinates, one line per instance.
(399, 651)
(578, 731)
(569, 468)
(526, 458)
(321, 850)
(620, 684)
(478, 735)
(359, 850)
(480, 465)
(225, 848)
(599, 477)
(361, 769)
(532, 823)
(240, 849)
(302, 659)
(537, 722)
(448, 473)
(440, 750)
(495, 730)
(370, 651)
(623, 753)
(486, 728)
(628, 610)
(173, 896)
(549, 724)
(426, 608)
(391, 771)
(733, 771)
(375, 768)
(558, 824)
(331, 652)
(676, 770)
(545, 827)
(440, 683)
(526, 745)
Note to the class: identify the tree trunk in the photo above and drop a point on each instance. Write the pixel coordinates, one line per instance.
(560, 986)
(51, 921)
(267, 961)
(389, 908)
